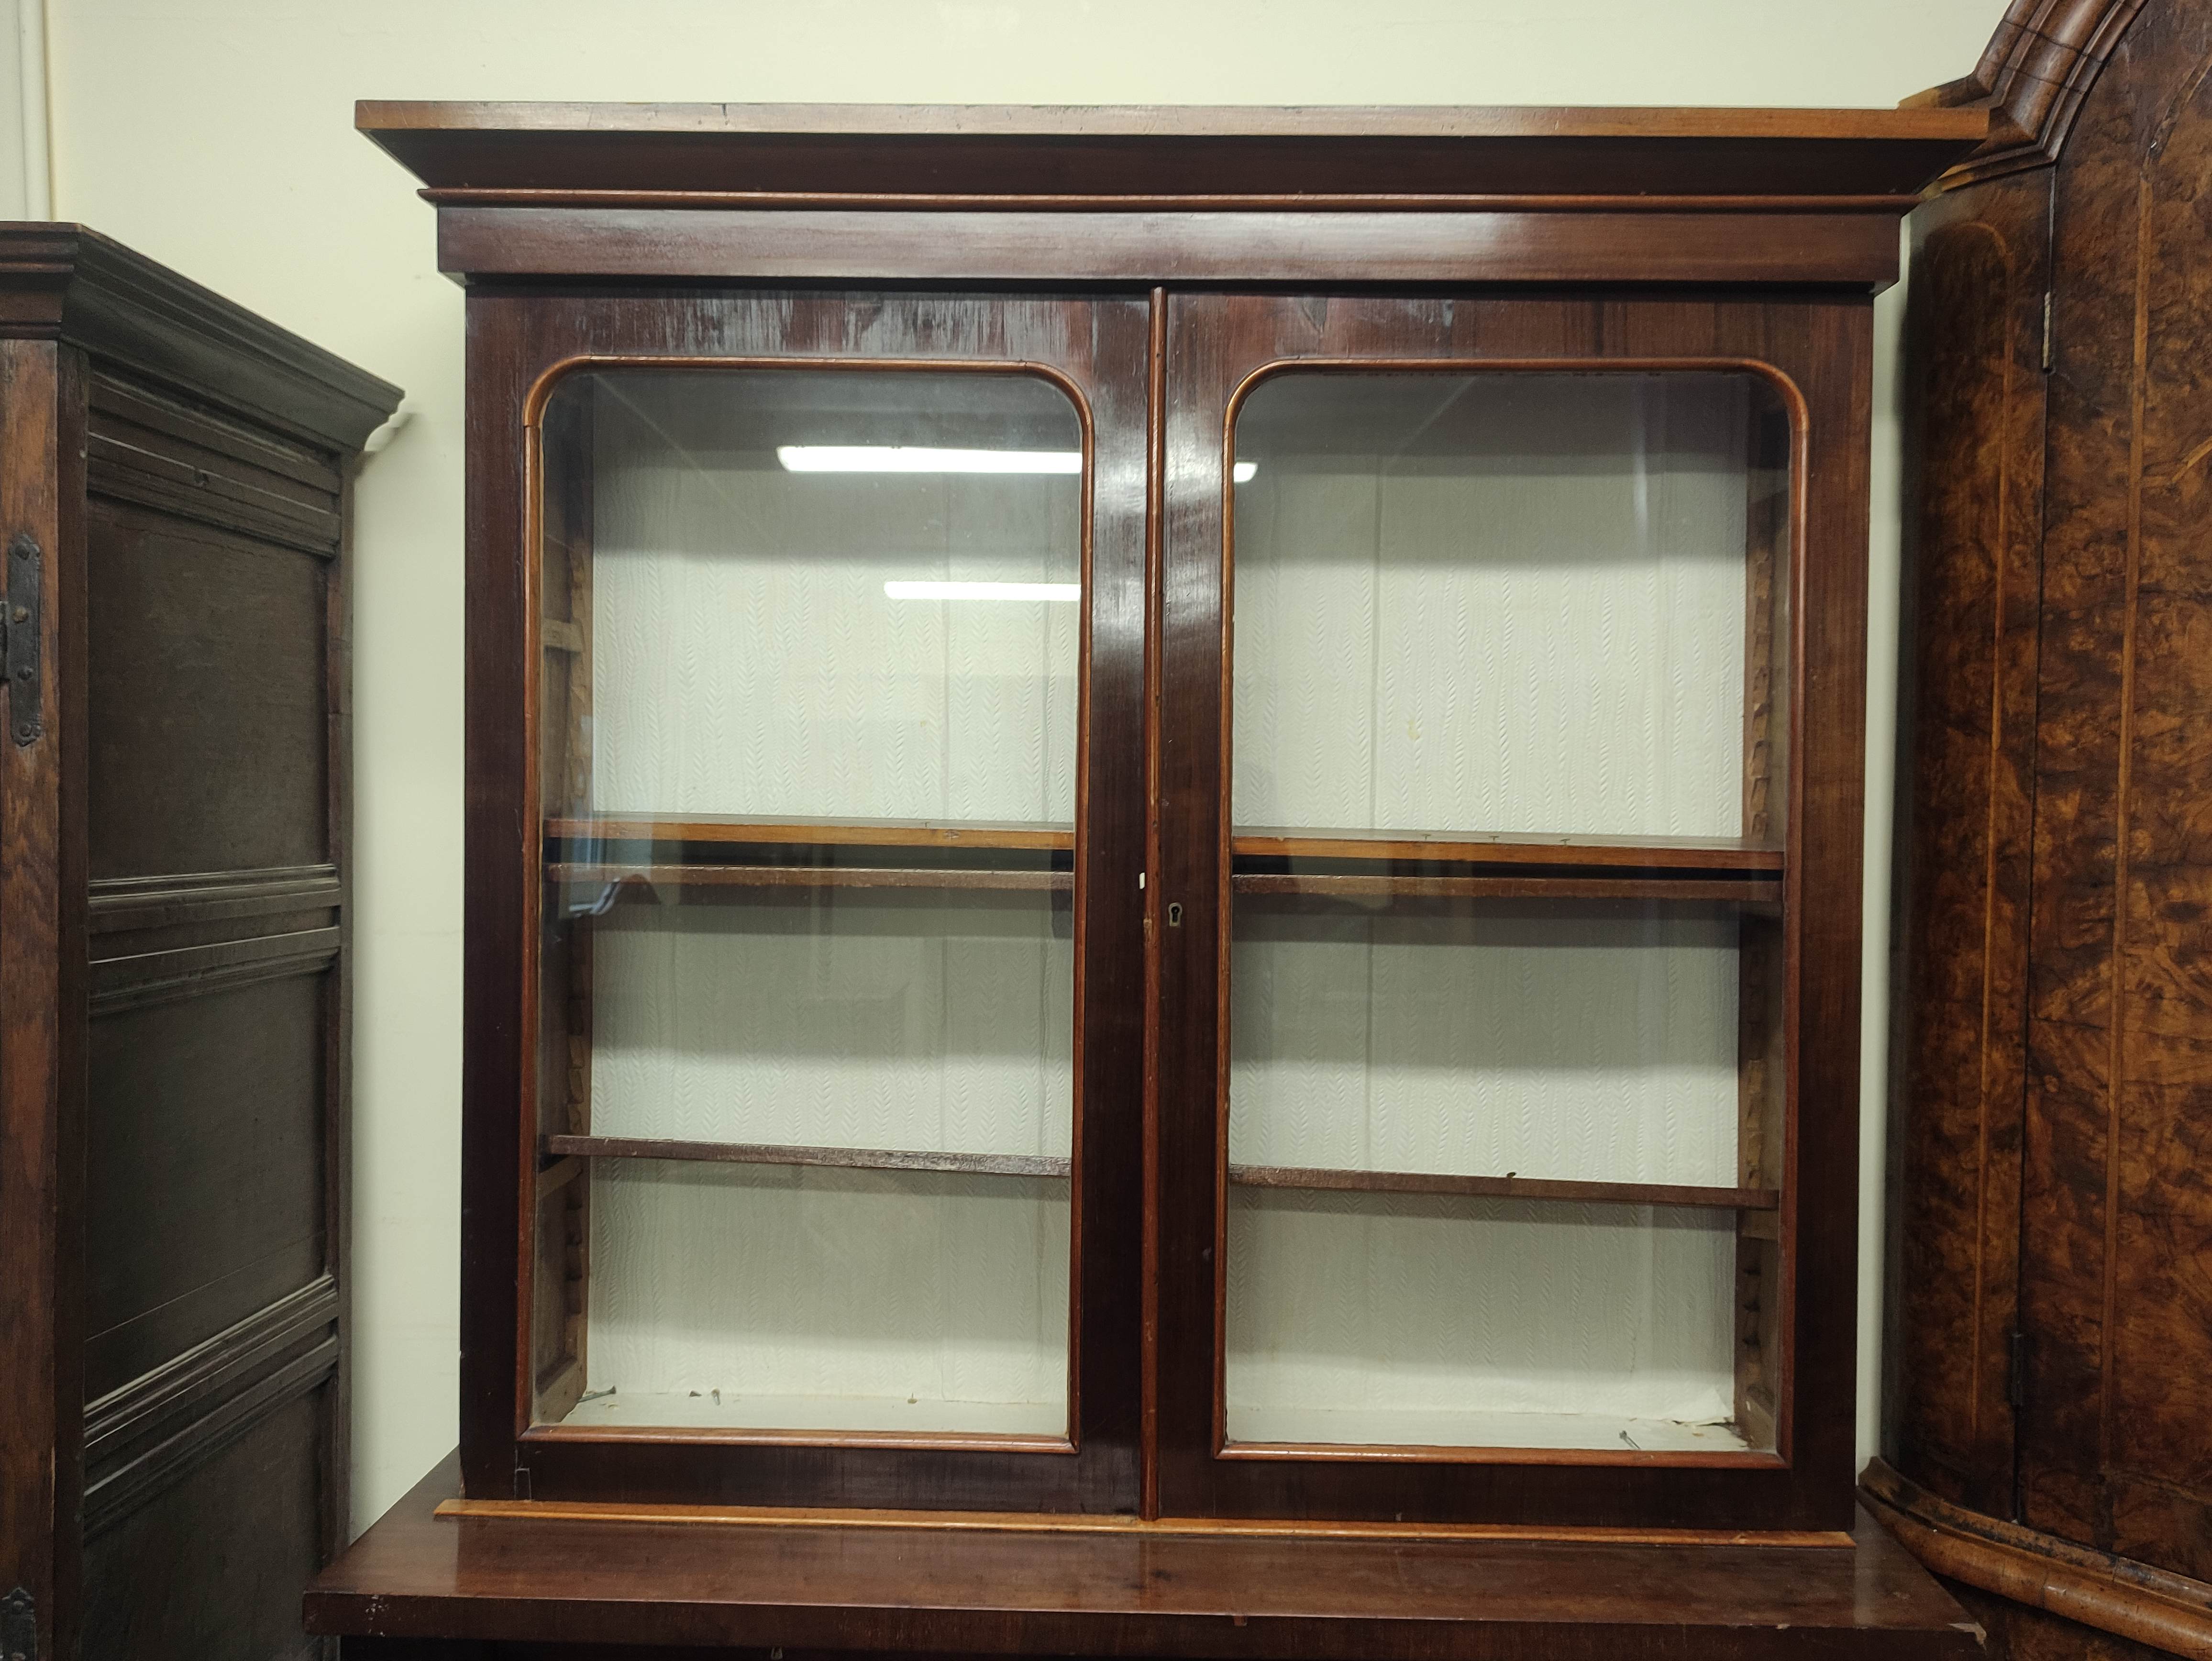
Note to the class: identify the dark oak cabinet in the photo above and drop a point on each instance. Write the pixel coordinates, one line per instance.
(1160, 862)
(174, 804)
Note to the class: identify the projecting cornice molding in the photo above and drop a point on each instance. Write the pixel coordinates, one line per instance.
(2036, 70)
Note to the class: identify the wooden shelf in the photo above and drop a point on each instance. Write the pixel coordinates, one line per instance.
(1445, 847)
(642, 883)
(853, 1159)
(1242, 1176)
(1508, 1187)
(742, 828)
(1347, 886)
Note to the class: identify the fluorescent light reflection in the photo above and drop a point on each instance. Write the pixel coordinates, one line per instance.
(1046, 591)
(921, 458)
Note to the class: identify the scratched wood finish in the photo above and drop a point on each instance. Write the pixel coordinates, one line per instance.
(2018, 1632)
(172, 945)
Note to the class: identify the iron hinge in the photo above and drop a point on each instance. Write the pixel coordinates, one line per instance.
(2016, 1370)
(19, 639)
(2047, 358)
(19, 1626)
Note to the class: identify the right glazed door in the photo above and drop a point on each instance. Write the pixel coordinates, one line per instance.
(1480, 1121)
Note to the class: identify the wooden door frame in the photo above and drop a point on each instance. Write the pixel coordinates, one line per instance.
(518, 338)
(1819, 344)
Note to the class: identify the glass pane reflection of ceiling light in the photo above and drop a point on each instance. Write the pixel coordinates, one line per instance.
(924, 459)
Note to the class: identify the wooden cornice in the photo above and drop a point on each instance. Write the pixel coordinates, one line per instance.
(67, 282)
(2098, 1589)
(1234, 158)
(2034, 75)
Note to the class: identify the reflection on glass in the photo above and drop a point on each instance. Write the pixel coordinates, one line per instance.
(1506, 1072)
(809, 696)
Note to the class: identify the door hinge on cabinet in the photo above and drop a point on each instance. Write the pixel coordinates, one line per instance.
(19, 1626)
(2046, 331)
(2016, 1370)
(19, 639)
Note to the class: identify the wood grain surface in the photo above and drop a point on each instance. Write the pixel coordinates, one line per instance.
(417, 1575)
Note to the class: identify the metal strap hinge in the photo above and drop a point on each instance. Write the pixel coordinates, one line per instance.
(20, 621)
(19, 1626)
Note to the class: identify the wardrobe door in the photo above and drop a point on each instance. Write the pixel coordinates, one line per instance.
(838, 789)
(1482, 905)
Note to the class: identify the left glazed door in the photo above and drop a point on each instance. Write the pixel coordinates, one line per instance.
(831, 650)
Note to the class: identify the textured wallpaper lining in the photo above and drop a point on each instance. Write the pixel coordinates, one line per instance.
(1541, 629)
(818, 1298)
(748, 660)
(1487, 604)
(876, 1020)
(1513, 639)
(1361, 1317)
(1579, 1041)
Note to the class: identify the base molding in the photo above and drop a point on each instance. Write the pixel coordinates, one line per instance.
(2078, 1582)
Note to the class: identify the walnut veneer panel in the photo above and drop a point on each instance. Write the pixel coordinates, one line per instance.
(1976, 402)
(2117, 1211)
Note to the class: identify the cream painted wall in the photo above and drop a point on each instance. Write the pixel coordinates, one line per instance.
(217, 135)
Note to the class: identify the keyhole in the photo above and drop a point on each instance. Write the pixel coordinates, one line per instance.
(1175, 915)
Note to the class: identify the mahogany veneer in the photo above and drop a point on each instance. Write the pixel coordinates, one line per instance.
(1155, 266)
(610, 1581)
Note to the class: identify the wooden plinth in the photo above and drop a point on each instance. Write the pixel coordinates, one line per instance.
(418, 1579)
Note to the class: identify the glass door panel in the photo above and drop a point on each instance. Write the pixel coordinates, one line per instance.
(810, 702)
(1505, 1106)
(1506, 604)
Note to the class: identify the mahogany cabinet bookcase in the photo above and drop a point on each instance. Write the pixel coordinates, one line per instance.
(1165, 808)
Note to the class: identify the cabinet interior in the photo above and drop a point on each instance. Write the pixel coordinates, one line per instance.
(1505, 1104)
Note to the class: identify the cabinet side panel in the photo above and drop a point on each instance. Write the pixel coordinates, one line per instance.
(204, 1186)
(2117, 1207)
(213, 752)
(215, 1062)
(211, 1567)
(1976, 394)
